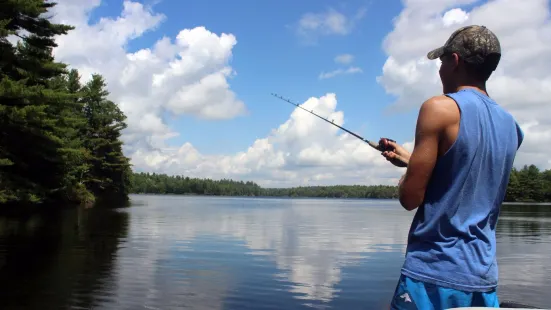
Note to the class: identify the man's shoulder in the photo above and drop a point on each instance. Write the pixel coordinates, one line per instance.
(440, 111)
(441, 103)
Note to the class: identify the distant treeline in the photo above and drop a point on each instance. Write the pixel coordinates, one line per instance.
(151, 183)
(527, 184)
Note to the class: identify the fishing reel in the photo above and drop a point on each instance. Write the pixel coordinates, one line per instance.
(384, 148)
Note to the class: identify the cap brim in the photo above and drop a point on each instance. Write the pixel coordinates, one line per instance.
(436, 53)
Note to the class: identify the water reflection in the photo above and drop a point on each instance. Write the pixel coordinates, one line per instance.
(524, 246)
(58, 260)
(254, 249)
(170, 252)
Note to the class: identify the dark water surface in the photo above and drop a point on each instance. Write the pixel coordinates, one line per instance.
(170, 252)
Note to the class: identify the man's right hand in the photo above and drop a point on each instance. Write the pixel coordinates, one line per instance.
(396, 154)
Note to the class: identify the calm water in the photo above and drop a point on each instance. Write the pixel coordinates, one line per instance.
(170, 252)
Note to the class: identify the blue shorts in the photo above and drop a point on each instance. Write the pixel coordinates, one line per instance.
(413, 294)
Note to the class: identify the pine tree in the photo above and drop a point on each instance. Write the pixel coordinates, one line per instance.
(32, 135)
(108, 177)
(59, 141)
(73, 123)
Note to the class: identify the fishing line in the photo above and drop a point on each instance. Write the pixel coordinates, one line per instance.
(378, 146)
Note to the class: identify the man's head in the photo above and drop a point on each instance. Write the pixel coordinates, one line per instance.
(469, 56)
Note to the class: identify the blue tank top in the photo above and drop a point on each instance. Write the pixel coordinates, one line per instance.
(452, 241)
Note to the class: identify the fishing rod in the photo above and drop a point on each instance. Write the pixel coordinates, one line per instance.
(378, 146)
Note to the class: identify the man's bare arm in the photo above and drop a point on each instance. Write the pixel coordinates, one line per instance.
(435, 115)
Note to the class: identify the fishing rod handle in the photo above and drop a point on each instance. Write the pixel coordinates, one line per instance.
(381, 147)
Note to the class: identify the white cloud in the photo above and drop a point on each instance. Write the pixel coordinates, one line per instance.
(303, 150)
(454, 16)
(334, 73)
(344, 59)
(183, 75)
(330, 22)
(522, 83)
(189, 75)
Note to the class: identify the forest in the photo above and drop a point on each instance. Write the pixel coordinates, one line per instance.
(528, 184)
(60, 140)
(151, 183)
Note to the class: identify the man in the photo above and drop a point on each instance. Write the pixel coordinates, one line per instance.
(457, 175)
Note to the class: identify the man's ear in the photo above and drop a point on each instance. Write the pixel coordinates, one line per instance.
(454, 59)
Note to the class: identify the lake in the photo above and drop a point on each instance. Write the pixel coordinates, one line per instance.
(175, 252)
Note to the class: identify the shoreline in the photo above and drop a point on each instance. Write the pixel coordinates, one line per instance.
(519, 203)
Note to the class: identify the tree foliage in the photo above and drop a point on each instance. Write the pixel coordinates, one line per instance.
(55, 136)
(525, 185)
(529, 184)
(109, 170)
(153, 183)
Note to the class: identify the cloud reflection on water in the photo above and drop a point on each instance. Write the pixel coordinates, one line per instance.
(310, 241)
(189, 250)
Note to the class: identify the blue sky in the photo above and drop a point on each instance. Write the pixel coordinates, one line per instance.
(271, 57)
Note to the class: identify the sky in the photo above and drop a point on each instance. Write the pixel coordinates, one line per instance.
(195, 80)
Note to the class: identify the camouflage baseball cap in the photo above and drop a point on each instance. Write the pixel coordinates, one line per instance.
(475, 44)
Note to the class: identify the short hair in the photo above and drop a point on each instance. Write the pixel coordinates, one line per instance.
(482, 71)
